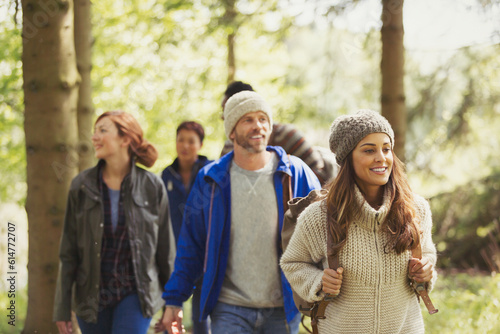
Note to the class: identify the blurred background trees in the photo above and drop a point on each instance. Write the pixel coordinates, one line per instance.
(169, 61)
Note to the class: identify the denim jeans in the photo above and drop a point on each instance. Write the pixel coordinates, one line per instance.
(232, 319)
(125, 317)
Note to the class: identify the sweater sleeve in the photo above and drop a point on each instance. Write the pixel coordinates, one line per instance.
(428, 247)
(306, 249)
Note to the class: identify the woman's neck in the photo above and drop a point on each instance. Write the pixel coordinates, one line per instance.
(374, 196)
(186, 165)
(114, 171)
(185, 170)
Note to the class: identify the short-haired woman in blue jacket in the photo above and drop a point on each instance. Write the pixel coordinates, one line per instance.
(179, 178)
(117, 246)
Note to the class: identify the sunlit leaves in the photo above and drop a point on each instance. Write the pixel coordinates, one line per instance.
(12, 152)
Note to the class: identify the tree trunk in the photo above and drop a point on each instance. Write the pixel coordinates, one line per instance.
(229, 21)
(392, 70)
(85, 109)
(231, 63)
(50, 93)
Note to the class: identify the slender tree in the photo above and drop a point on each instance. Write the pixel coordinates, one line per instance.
(50, 93)
(229, 20)
(85, 109)
(392, 70)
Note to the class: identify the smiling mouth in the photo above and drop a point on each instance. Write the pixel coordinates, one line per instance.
(379, 169)
(257, 137)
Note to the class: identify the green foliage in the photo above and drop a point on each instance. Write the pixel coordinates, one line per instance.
(165, 62)
(467, 225)
(453, 115)
(12, 152)
(467, 303)
(452, 147)
(21, 304)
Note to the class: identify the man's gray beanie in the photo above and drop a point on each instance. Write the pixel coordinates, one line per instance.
(242, 103)
(348, 130)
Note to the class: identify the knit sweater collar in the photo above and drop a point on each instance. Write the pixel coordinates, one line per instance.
(368, 217)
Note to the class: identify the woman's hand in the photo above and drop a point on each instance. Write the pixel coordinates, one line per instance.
(64, 327)
(420, 270)
(332, 281)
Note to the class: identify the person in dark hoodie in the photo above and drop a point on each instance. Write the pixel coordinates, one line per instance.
(179, 178)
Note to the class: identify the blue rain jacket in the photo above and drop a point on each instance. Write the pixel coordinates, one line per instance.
(204, 240)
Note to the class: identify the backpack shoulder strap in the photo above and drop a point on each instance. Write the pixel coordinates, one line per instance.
(287, 188)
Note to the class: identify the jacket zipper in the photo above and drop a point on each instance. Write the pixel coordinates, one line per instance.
(379, 278)
(207, 244)
(209, 228)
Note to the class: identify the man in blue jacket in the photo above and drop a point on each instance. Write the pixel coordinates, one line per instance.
(231, 230)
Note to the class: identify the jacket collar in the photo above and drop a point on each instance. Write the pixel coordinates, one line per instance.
(201, 161)
(219, 170)
(284, 162)
(91, 181)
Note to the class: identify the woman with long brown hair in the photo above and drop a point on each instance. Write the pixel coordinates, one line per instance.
(117, 246)
(375, 222)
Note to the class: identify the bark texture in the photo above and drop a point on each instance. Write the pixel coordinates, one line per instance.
(50, 92)
(392, 70)
(231, 62)
(85, 107)
(229, 19)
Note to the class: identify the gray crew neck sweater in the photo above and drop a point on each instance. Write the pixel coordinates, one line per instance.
(252, 276)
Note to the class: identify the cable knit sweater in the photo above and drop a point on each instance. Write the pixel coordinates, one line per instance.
(375, 296)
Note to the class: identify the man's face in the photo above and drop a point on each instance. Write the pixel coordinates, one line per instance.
(252, 132)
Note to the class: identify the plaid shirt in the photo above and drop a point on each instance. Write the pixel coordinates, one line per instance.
(117, 272)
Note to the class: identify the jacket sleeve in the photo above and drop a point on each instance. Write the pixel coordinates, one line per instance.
(303, 178)
(303, 253)
(190, 247)
(165, 250)
(428, 247)
(68, 261)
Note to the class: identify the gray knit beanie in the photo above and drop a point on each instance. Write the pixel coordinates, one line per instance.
(348, 130)
(242, 103)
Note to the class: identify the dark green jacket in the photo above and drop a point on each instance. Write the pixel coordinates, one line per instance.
(151, 240)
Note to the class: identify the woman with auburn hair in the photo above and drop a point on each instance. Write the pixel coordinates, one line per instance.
(375, 224)
(117, 245)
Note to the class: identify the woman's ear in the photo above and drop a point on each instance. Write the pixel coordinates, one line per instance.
(126, 141)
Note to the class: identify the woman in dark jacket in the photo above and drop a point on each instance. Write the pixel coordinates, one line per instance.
(179, 178)
(117, 247)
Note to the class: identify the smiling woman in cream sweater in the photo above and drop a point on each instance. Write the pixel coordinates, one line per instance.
(375, 222)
